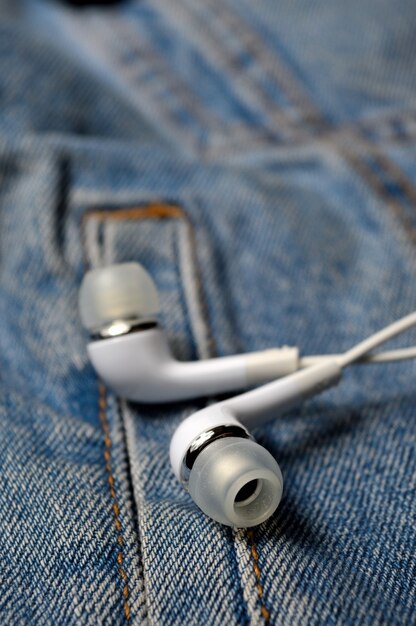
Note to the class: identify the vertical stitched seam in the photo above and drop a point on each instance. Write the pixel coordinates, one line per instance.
(257, 572)
(250, 534)
(151, 211)
(162, 211)
(199, 285)
(102, 412)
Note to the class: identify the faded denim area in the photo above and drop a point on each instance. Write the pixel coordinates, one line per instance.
(259, 160)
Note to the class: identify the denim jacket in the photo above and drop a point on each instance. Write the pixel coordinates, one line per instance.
(258, 159)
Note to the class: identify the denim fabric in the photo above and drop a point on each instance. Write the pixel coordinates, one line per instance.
(258, 159)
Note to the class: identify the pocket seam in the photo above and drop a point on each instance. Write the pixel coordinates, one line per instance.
(158, 210)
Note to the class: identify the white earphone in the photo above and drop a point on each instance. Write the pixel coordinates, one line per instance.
(118, 305)
(231, 478)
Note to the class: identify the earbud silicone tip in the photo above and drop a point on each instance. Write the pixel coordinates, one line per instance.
(236, 482)
(116, 292)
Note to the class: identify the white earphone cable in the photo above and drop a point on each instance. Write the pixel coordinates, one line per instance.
(382, 336)
(360, 352)
(387, 356)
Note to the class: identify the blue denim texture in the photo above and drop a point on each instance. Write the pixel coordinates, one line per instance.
(259, 160)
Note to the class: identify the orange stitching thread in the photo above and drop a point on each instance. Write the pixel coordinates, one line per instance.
(158, 211)
(102, 412)
(133, 213)
(255, 555)
(102, 404)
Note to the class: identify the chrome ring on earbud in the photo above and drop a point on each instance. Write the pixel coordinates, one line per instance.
(206, 438)
(120, 327)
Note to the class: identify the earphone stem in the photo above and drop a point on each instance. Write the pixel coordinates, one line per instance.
(263, 404)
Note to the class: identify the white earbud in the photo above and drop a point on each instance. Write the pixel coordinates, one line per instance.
(118, 305)
(230, 477)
